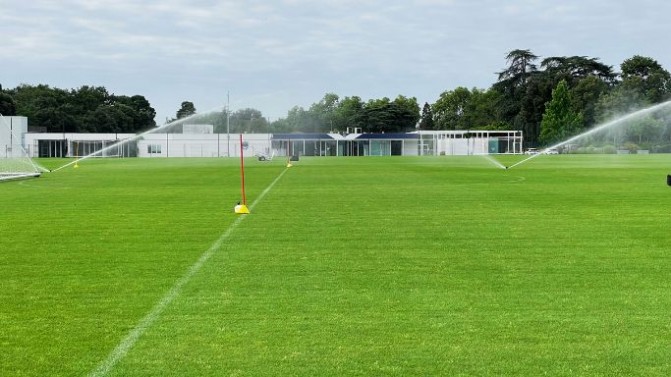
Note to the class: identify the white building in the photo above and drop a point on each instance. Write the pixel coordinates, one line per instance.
(12, 130)
(203, 145)
(198, 140)
(67, 144)
(469, 142)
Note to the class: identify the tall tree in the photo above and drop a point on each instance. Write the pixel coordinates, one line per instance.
(560, 120)
(426, 121)
(574, 68)
(586, 93)
(325, 112)
(141, 113)
(512, 85)
(378, 115)
(406, 111)
(186, 109)
(483, 112)
(350, 114)
(520, 66)
(646, 75)
(451, 108)
(248, 120)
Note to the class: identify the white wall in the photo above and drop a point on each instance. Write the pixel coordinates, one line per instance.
(31, 140)
(12, 130)
(410, 147)
(203, 145)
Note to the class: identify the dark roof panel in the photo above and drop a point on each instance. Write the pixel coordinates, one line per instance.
(302, 136)
(389, 136)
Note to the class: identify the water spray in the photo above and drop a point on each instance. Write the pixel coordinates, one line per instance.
(136, 137)
(596, 129)
(493, 161)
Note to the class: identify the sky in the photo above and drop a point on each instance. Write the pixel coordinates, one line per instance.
(273, 55)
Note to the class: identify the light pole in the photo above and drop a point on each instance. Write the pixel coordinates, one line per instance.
(228, 125)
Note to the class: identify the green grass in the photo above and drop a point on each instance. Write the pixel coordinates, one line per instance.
(347, 266)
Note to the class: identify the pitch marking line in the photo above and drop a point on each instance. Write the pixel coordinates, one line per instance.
(129, 341)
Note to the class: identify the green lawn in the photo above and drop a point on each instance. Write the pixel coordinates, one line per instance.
(378, 266)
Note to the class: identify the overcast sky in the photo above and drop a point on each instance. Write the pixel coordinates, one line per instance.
(272, 55)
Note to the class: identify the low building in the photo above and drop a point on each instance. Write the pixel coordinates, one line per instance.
(469, 142)
(203, 145)
(196, 140)
(66, 144)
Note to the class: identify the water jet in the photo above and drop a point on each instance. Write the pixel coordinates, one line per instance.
(612, 123)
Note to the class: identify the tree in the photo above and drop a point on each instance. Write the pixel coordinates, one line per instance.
(463, 109)
(187, 109)
(520, 67)
(89, 98)
(560, 120)
(585, 94)
(426, 120)
(483, 112)
(86, 109)
(248, 120)
(324, 112)
(646, 76)
(7, 104)
(450, 109)
(142, 114)
(512, 86)
(406, 114)
(574, 68)
(111, 119)
(616, 103)
(350, 114)
(378, 115)
(384, 115)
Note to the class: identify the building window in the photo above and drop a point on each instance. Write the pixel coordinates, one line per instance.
(154, 148)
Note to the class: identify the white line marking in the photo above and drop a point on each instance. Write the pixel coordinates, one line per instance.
(129, 341)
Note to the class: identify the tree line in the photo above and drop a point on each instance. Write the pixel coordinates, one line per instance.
(86, 109)
(548, 99)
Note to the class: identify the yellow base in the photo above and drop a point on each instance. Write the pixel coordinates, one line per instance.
(76, 166)
(241, 209)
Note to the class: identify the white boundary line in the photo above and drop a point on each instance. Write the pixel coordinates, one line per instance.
(129, 341)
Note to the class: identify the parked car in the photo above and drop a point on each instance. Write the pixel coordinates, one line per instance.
(531, 151)
(551, 151)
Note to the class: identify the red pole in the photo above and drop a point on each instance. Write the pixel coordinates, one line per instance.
(242, 172)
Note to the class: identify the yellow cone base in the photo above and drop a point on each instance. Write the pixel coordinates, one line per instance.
(289, 165)
(76, 166)
(241, 209)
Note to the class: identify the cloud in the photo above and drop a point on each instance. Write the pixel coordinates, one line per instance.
(280, 53)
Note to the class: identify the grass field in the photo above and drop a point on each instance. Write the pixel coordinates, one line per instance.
(346, 267)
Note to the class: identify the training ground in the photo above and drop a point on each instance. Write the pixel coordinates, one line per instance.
(368, 266)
